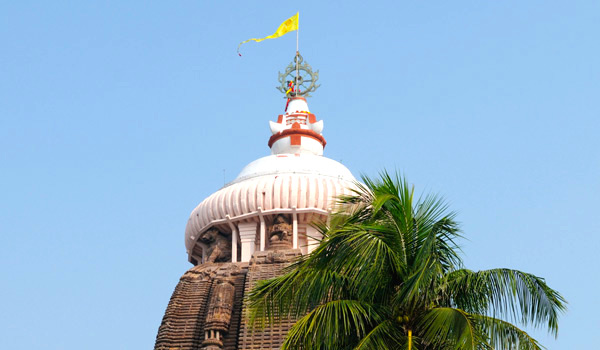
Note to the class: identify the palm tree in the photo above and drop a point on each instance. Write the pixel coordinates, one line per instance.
(387, 275)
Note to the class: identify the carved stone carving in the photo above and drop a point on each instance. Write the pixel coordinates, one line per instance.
(219, 246)
(220, 307)
(280, 233)
(275, 256)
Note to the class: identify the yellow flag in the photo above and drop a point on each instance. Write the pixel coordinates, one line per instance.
(287, 26)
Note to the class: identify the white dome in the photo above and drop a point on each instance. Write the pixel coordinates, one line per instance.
(295, 164)
(275, 183)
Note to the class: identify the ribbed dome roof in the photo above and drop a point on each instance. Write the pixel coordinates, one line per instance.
(306, 182)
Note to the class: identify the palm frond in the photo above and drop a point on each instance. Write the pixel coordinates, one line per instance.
(504, 335)
(294, 293)
(447, 327)
(386, 335)
(334, 325)
(507, 293)
(364, 254)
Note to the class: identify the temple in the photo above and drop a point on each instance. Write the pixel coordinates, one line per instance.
(253, 227)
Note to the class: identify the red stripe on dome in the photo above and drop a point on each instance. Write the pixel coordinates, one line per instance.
(300, 132)
(295, 140)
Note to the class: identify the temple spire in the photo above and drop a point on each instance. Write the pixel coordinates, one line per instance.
(297, 131)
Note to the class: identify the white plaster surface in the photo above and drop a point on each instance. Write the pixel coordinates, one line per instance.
(309, 146)
(295, 164)
(297, 105)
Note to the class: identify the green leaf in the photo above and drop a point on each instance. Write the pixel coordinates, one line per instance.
(504, 335)
(451, 327)
(506, 293)
(333, 325)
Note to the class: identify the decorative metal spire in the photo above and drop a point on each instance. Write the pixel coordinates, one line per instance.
(298, 79)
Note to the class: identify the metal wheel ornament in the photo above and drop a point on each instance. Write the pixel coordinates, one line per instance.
(304, 82)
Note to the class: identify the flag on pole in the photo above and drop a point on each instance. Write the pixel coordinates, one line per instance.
(287, 26)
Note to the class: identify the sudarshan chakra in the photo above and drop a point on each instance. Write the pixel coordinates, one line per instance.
(298, 78)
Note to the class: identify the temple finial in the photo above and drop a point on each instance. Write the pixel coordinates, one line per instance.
(297, 131)
(298, 79)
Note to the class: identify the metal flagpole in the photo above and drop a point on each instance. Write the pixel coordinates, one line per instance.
(297, 51)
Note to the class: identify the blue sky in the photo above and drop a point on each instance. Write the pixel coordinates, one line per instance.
(118, 118)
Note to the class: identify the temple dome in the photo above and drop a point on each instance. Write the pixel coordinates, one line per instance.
(275, 183)
(296, 179)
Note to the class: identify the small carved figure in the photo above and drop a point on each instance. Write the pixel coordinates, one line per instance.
(219, 246)
(220, 307)
(280, 234)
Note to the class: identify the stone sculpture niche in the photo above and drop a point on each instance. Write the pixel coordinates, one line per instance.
(218, 246)
(280, 233)
(220, 307)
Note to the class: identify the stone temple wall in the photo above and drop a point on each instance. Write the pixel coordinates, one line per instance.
(264, 265)
(210, 297)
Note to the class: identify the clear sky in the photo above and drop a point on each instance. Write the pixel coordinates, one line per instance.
(118, 117)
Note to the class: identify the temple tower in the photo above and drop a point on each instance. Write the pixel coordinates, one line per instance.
(253, 227)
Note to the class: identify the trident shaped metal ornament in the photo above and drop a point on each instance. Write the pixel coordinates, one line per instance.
(298, 79)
